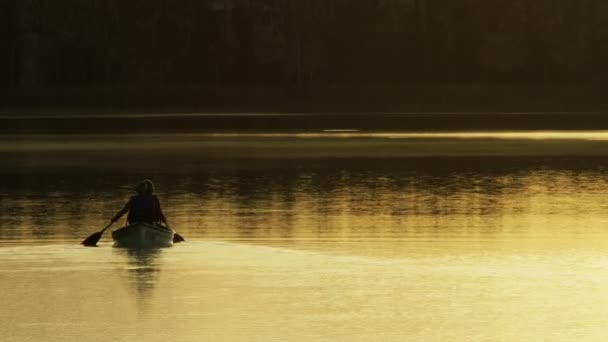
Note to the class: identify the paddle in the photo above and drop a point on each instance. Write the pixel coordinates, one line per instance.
(177, 238)
(92, 240)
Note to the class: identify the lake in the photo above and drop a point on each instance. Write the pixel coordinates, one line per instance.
(322, 236)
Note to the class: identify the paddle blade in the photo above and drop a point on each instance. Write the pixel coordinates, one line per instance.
(92, 240)
(177, 238)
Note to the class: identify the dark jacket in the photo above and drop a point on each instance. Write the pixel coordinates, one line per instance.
(142, 208)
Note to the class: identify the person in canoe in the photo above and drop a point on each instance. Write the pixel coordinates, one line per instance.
(143, 207)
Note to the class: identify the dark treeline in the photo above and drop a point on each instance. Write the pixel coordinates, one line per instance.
(277, 43)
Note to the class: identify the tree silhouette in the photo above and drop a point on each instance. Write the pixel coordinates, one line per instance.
(294, 43)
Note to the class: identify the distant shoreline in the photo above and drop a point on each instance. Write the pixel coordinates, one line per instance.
(302, 122)
(425, 107)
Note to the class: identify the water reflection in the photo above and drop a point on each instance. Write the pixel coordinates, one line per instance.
(315, 198)
(142, 270)
(433, 248)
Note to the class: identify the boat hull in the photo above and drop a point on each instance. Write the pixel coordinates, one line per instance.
(143, 235)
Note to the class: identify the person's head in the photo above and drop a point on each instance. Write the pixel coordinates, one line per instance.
(145, 187)
(149, 186)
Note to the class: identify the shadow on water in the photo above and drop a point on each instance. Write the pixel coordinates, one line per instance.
(142, 270)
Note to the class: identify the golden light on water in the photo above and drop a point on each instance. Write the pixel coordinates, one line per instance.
(499, 248)
(356, 133)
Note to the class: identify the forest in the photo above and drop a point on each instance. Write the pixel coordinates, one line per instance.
(296, 43)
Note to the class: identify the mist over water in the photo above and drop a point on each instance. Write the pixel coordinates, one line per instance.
(336, 236)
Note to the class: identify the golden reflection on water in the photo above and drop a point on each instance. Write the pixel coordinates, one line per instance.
(223, 291)
(504, 135)
(305, 249)
(142, 270)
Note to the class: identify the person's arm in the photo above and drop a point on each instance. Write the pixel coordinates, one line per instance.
(159, 211)
(122, 211)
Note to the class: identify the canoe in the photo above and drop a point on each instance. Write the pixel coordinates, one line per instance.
(143, 235)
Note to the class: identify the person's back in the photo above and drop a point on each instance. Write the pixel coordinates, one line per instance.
(143, 207)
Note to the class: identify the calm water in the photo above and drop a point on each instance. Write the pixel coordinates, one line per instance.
(337, 236)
